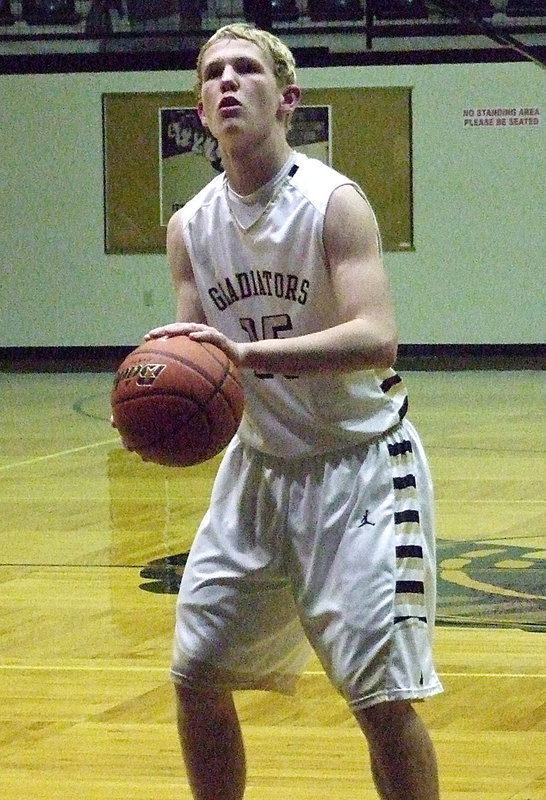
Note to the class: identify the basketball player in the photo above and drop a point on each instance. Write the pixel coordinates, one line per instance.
(319, 531)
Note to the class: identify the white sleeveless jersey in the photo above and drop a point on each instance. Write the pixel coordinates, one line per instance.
(264, 274)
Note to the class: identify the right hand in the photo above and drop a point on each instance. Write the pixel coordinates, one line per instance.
(171, 329)
(200, 332)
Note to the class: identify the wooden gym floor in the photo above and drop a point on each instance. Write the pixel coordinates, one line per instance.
(93, 543)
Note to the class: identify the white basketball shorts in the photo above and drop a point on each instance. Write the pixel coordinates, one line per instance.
(334, 553)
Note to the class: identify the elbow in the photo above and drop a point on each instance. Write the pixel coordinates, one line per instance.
(386, 353)
(379, 345)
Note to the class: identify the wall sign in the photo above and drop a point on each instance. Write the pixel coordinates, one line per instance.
(517, 116)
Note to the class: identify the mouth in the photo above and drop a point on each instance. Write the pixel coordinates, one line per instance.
(228, 102)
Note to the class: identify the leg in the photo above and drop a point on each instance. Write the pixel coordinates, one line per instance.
(401, 751)
(212, 745)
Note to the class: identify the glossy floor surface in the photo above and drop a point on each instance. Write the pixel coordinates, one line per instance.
(93, 543)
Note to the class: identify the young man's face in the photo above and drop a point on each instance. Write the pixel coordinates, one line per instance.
(239, 91)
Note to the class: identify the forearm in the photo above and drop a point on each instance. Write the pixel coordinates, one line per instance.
(349, 346)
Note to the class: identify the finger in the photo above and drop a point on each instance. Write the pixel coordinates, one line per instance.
(206, 335)
(174, 329)
(160, 333)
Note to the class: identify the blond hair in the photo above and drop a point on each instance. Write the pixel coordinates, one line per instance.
(284, 65)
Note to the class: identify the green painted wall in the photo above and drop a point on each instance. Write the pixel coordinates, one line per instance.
(476, 275)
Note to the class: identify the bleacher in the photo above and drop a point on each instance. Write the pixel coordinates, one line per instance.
(344, 26)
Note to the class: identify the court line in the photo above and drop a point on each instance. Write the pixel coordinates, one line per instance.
(165, 671)
(474, 674)
(59, 454)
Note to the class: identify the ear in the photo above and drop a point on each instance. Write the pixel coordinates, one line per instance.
(291, 95)
(201, 114)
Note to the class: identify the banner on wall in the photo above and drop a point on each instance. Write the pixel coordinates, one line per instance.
(516, 117)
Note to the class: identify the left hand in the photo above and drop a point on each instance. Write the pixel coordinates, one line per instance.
(200, 333)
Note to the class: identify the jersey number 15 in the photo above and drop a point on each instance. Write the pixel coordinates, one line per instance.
(272, 326)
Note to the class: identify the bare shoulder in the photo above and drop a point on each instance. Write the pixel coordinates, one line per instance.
(189, 308)
(175, 228)
(177, 252)
(350, 224)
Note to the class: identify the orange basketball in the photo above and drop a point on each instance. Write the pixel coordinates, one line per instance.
(176, 401)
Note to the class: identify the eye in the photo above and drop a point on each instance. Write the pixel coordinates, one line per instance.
(211, 71)
(247, 65)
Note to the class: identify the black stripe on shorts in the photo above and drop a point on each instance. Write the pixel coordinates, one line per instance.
(405, 482)
(400, 448)
(409, 551)
(410, 515)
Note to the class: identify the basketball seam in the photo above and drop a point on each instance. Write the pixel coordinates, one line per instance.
(200, 405)
(185, 362)
(216, 386)
(218, 361)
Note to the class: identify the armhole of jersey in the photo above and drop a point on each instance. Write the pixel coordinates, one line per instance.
(377, 231)
(361, 192)
(184, 223)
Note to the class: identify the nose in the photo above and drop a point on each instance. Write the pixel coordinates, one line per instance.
(229, 78)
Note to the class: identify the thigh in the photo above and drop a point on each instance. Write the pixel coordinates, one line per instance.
(237, 625)
(363, 568)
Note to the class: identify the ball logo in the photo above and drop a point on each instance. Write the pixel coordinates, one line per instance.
(145, 374)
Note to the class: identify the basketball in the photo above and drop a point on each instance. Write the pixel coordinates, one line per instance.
(176, 401)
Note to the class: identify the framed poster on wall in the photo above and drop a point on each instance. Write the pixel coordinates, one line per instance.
(189, 155)
(157, 156)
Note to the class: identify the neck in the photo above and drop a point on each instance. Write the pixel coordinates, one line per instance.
(246, 174)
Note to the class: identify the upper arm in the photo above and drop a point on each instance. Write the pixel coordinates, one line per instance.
(351, 240)
(188, 304)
